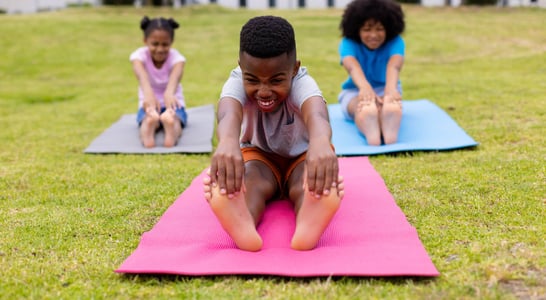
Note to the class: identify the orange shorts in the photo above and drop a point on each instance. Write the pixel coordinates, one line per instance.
(281, 167)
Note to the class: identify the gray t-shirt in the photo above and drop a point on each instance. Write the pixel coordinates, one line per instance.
(282, 132)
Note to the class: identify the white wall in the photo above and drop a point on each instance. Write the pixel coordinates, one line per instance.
(256, 4)
(229, 3)
(316, 3)
(19, 6)
(280, 4)
(341, 3)
(33, 6)
(433, 2)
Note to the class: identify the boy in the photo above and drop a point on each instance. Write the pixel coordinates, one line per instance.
(273, 141)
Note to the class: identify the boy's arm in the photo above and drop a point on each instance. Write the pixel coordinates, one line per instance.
(227, 166)
(144, 81)
(394, 66)
(174, 79)
(353, 67)
(321, 160)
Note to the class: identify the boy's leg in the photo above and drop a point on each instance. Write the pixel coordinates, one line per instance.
(241, 214)
(172, 127)
(148, 127)
(391, 116)
(366, 118)
(312, 214)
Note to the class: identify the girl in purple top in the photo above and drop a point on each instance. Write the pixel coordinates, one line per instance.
(159, 69)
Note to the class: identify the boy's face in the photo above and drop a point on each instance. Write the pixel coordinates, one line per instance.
(159, 42)
(267, 81)
(373, 34)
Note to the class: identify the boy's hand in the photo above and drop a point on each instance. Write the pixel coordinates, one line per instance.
(367, 96)
(322, 168)
(394, 97)
(227, 168)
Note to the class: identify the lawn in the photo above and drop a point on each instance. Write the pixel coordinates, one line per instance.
(68, 219)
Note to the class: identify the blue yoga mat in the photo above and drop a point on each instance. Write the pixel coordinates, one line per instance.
(424, 127)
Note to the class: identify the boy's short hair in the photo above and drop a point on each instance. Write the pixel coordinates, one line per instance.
(388, 12)
(267, 36)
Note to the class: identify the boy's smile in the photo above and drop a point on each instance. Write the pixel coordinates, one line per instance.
(267, 81)
(373, 34)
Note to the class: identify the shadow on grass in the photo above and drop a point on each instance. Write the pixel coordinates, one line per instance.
(44, 99)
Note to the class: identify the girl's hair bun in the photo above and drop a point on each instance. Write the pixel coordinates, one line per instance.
(173, 23)
(144, 22)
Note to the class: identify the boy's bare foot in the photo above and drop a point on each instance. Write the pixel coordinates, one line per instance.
(391, 115)
(234, 216)
(367, 121)
(147, 130)
(172, 127)
(314, 216)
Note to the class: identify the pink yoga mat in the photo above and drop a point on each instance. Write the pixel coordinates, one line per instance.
(369, 236)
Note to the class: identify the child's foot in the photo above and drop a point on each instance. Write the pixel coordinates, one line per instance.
(314, 216)
(234, 216)
(147, 131)
(171, 126)
(367, 121)
(391, 115)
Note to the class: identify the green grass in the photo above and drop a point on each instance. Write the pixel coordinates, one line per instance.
(67, 220)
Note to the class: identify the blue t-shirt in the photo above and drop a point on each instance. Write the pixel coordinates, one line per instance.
(373, 63)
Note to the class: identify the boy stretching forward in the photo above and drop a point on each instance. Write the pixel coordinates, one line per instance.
(273, 141)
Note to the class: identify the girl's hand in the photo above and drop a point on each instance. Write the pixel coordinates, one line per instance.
(171, 101)
(151, 102)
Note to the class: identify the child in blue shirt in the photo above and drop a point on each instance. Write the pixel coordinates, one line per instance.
(372, 52)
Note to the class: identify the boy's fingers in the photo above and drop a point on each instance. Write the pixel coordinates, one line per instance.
(239, 171)
(310, 179)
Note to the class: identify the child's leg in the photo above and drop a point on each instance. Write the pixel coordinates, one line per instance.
(367, 121)
(148, 127)
(172, 127)
(312, 215)
(240, 215)
(391, 115)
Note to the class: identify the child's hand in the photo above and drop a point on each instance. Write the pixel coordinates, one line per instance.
(392, 97)
(227, 168)
(151, 102)
(367, 95)
(322, 168)
(152, 112)
(171, 101)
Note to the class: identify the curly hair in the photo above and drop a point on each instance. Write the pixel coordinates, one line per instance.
(148, 25)
(267, 36)
(388, 12)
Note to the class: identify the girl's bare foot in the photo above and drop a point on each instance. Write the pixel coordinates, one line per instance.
(367, 121)
(172, 127)
(234, 216)
(391, 115)
(147, 130)
(314, 215)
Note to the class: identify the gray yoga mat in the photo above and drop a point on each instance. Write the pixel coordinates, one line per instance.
(123, 135)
